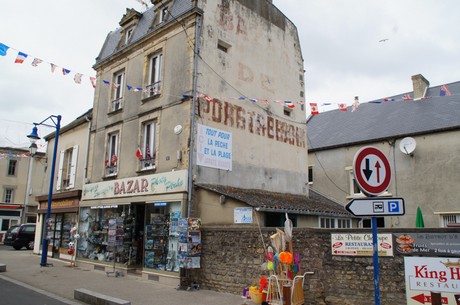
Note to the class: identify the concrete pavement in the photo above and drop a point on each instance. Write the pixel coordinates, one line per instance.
(61, 280)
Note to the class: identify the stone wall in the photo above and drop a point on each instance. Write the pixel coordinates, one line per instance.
(232, 258)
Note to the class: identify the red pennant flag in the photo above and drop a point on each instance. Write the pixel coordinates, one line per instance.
(314, 108)
(138, 153)
(343, 107)
(407, 97)
(93, 81)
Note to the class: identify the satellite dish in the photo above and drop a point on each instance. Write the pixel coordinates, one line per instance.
(177, 129)
(407, 145)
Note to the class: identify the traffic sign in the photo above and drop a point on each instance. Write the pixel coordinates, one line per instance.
(376, 206)
(372, 170)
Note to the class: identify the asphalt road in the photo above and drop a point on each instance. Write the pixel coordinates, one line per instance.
(13, 293)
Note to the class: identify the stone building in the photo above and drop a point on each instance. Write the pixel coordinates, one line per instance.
(417, 131)
(199, 113)
(18, 190)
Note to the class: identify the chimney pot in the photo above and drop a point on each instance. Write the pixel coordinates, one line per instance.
(420, 85)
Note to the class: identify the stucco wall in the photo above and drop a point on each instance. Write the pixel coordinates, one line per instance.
(263, 61)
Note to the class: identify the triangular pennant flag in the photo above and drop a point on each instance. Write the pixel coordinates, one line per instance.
(289, 104)
(314, 108)
(53, 67)
(106, 82)
(93, 81)
(65, 71)
(77, 78)
(407, 97)
(444, 91)
(20, 58)
(388, 99)
(343, 107)
(3, 49)
(355, 104)
(137, 89)
(36, 62)
(129, 87)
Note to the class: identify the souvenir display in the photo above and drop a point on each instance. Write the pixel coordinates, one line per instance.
(189, 243)
(106, 234)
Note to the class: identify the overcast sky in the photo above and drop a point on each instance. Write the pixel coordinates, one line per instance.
(344, 55)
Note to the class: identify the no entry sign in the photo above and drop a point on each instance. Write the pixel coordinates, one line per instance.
(372, 170)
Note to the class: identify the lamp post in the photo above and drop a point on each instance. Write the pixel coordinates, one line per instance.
(33, 151)
(56, 120)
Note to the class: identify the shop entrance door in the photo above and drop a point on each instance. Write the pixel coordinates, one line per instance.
(139, 234)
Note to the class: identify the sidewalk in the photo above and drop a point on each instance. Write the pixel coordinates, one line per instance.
(62, 280)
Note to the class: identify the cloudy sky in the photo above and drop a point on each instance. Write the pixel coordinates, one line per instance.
(344, 55)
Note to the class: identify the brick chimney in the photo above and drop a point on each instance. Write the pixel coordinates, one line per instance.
(420, 85)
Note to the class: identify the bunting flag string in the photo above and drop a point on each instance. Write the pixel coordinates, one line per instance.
(21, 57)
(443, 91)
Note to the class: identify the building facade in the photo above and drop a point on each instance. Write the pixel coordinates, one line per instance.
(69, 177)
(189, 93)
(418, 133)
(17, 188)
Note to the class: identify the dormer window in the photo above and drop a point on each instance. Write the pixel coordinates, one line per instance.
(128, 24)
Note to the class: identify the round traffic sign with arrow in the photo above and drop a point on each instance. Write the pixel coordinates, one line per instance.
(372, 170)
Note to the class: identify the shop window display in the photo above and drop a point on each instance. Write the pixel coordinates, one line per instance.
(161, 236)
(107, 234)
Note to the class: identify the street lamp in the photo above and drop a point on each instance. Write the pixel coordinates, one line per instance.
(56, 120)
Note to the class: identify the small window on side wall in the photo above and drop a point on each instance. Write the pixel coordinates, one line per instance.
(223, 46)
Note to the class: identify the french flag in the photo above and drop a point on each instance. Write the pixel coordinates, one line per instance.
(20, 58)
(289, 104)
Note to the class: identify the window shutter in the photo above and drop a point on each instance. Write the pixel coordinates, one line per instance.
(73, 167)
(59, 173)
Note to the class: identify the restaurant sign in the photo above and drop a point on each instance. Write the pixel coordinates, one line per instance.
(349, 244)
(137, 186)
(434, 280)
(427, 244)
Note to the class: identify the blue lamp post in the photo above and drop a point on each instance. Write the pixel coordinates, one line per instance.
(56, 120)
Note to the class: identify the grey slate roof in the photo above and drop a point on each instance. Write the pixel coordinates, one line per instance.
(144, 27)
(315, 204)
(379, 120)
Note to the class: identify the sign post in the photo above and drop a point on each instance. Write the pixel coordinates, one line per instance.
(372, 172)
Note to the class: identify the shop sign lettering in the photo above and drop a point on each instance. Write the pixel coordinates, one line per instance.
(137, 186)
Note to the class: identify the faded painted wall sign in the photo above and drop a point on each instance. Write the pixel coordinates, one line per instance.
(214, 148)
(235, 116)
(137, 186)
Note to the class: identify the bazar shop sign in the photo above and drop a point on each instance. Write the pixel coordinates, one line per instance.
(348, 244)
(427, 244)
(434, 280)
(137, 186)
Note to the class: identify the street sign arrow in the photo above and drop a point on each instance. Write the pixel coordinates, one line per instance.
(376, 206)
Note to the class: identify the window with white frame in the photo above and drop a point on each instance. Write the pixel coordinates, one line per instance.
(117, 100)
(154, 81)
(67, 168)
(12, 167)
(148, 145)
(129, 34)
(449, 220)
(8, 194)
(354, 188)
(163, 13)
(331, 223)
(310, 175)
(111, 160)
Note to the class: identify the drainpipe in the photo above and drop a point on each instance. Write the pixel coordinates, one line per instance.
(85, 175)
(192, 117)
